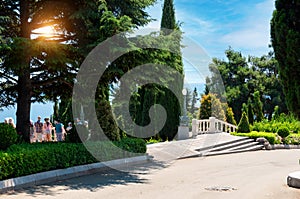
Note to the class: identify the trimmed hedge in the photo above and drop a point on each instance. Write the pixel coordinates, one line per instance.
(25, 159)
(8, 136)
(271, 137)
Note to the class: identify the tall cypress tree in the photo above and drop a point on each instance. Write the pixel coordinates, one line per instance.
(168, 16)
(160, 94)
(285, 37)
(168, 24)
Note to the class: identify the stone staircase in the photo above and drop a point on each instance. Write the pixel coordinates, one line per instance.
(242, 144)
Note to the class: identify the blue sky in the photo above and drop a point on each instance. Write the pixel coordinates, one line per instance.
(213, 25)
(217, 24)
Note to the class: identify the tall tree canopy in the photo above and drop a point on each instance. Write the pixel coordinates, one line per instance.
(242, 77)
(42, 68)
(285, 37)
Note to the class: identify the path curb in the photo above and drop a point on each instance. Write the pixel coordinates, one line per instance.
(284, 146)
(62, 174)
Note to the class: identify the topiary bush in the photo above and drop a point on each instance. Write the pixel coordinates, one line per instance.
(243, 126)
(8, 136)
(283, 132)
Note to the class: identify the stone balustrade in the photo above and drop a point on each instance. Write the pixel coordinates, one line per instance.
(211, 125)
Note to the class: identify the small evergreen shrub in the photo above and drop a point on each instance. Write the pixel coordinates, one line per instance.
(8, 136)
(292, 139)
(243, 126)
(283, 132)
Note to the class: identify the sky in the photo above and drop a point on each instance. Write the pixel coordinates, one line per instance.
(216, 25)
(210, 27)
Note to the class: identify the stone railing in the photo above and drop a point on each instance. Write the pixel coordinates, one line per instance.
(211, 125)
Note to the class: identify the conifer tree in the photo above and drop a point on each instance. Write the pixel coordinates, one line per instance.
(285, 37)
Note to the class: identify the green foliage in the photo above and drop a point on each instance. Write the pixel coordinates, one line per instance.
(153, 141)
(168, 16)
(257, 107)
(271, 137)
(250, 112)
(283, 132)
(276, 113)
(283, 121)
(243, 126)
(293, 138)
(41, 69)
(25, 159)
(8, 136)
(230, 116)
(211, 106)
(107, 122)
(285, 37)
(243, 76)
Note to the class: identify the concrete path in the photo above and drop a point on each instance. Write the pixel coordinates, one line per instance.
(170, 151)
(259, 174)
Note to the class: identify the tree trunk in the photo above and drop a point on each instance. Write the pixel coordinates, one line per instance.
(23, 106)
(24, 81)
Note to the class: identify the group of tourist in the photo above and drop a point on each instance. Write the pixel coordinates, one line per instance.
(47, 132)
(44, 131)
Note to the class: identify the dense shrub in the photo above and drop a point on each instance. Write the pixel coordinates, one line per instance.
(25, 159)
(283, 132)
(292, 139)
(271, 137)
(8, 136)
(243, 126)
(283, 120)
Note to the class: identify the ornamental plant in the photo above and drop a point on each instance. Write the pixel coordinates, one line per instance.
(243, 126)
(8, 136)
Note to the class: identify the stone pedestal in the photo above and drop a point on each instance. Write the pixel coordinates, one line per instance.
(183, 133)
(293, 180)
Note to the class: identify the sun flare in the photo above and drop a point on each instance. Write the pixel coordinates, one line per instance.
(47, 31)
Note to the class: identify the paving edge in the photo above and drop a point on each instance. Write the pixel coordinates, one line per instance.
(284, 146)
(71, 172)
(293, 180)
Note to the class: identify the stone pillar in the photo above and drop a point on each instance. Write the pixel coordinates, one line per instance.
(212, 124)
(194, 128)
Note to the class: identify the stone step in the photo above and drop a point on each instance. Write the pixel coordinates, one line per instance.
(246, 145)
(236, 141)
(239, 143)
(253, 148)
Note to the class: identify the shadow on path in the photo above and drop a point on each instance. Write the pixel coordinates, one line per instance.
(135, 174)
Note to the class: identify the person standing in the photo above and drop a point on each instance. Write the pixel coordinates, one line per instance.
(32, 136)
(11, 122)
(59, 129)
(47, 128)
(38, 125)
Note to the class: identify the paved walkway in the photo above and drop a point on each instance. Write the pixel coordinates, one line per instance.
(259, 174)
